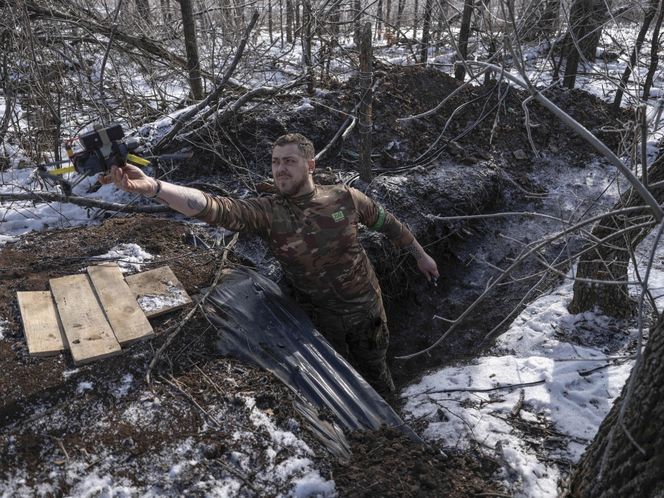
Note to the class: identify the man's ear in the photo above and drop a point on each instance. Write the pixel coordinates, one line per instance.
(311, 165)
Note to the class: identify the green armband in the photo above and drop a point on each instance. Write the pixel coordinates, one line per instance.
(380, 221)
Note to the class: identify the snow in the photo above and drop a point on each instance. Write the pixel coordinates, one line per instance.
(84, 386)
(152, 302)
(124, 386)
(128, 256)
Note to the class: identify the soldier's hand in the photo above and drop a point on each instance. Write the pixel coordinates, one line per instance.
(132, 179)
(427, 265)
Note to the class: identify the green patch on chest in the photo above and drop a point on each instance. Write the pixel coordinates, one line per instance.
(337, 216)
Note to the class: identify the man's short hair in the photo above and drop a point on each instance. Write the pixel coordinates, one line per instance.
(305, 146)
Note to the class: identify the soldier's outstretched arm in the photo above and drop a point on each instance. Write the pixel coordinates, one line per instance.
(425, 263)
(186, 200)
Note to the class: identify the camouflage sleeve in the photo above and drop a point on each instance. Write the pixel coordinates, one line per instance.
(247, 215)
(375, 217)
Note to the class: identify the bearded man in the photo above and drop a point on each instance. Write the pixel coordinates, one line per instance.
(312, 230)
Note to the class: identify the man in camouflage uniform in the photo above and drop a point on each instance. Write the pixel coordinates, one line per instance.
(312, 230)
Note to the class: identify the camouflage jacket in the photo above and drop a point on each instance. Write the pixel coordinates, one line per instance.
(315, 238)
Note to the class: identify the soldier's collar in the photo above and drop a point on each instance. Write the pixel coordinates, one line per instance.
(301, 199)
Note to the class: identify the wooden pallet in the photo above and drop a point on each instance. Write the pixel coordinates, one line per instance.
(127, 320)
(94, 314)
(89, 335)
(41, 323)
(158, 291)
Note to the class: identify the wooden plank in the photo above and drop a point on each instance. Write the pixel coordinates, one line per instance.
(158, 291)
(126, 317)
(88, 332)
(41, 323)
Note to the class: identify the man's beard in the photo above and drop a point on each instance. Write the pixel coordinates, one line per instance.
(293, 189)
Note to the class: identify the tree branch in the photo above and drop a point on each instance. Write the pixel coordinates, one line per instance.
(82, 201)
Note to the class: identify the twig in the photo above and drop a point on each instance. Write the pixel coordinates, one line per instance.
(62, 448)
(479, 390)
(114, 28)
(191, 313)
(239, 475)
(174, 383)
(350, 120)
(519, 404)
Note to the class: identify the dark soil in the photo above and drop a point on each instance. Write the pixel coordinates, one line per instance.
(198, 398)
(386, 463)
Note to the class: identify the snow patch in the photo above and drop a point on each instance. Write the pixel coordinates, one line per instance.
(129, 257)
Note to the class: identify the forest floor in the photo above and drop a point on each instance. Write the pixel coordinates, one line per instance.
(203, 424)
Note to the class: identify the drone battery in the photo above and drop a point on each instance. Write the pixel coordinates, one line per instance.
(93, 140)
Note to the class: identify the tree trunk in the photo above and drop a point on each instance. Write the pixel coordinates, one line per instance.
(379, 21)
(289, 21)
(365, 109)
(540, 20)
(612, 465)
(654, 51)
(306, 44)
(416, 8)
(464, 34)
(610, 259)
(143, 9)
(649, 15)
(357, 22)
(191, 47)
(400, 6)
(426, 30)
(388, 26)
(270, 22)
(585, 29)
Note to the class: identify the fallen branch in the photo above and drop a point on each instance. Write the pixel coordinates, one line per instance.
(170, 338)
(82, 201)
(485, 390)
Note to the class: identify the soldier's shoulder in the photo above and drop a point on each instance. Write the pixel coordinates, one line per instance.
(338, 189)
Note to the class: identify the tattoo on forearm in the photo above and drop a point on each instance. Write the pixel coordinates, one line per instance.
(196, 204)
(413, 250)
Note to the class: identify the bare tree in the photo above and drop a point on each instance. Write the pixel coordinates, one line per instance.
(365, 109)
(426, 30)
(464, 34)
(654, 51)
(289, 21)
(609, 260)
(191, 46)
(586, 19)
(647, 20)
(625, 457)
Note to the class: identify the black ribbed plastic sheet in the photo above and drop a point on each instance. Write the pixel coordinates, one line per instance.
(257, 323)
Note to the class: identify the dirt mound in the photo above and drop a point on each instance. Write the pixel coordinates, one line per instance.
(388, 464)
(475, 123)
